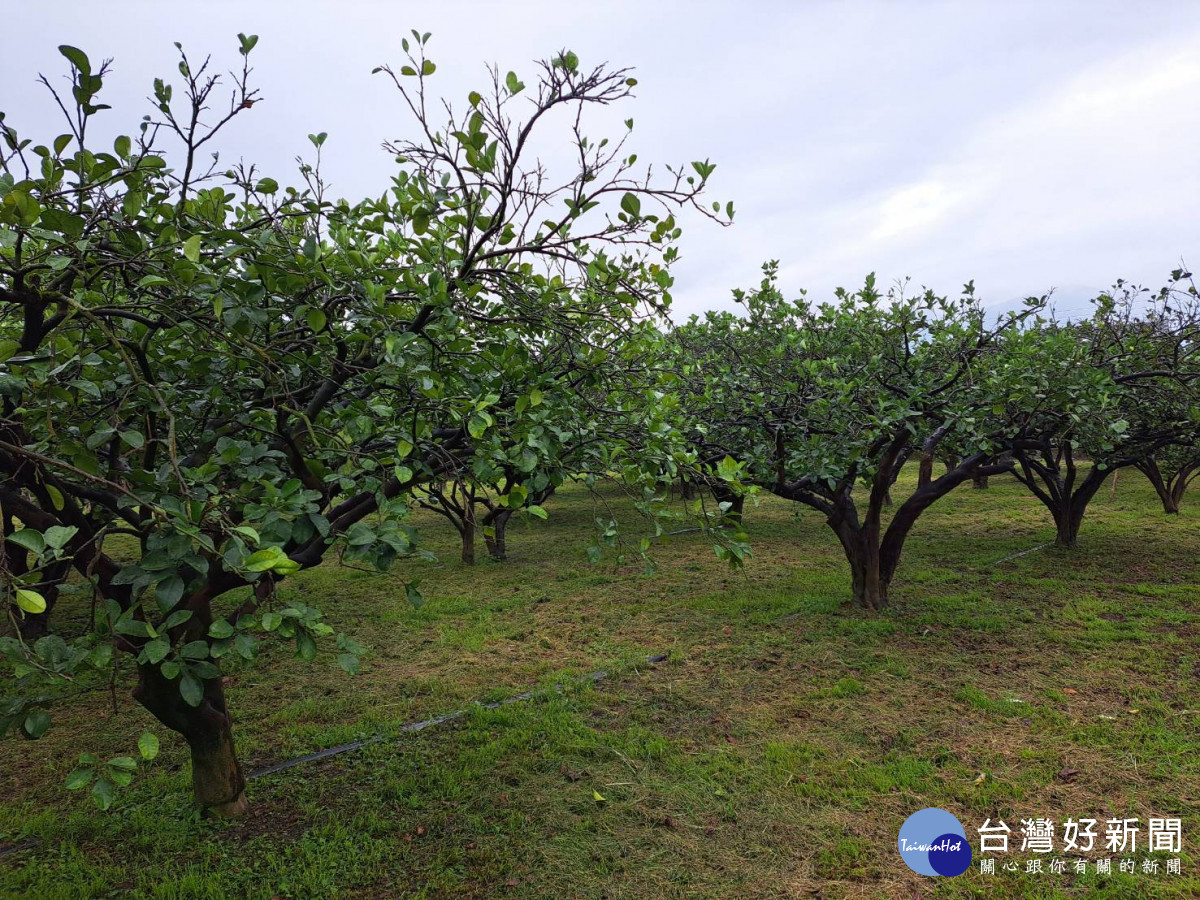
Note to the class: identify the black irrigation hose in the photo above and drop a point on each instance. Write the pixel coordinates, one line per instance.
(419, 726)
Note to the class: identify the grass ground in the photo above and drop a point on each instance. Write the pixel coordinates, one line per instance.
(774, 753)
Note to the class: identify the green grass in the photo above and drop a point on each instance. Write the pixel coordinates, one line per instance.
(775, 753)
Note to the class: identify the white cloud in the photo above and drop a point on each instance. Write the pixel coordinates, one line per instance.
(1023, 144)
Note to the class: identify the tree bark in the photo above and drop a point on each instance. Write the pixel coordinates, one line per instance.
(218, 785)
(1169, 494)
(925, 471)
(868, 584)
(1070, 506)
(980, 482)
(468, 543)
(496, 544)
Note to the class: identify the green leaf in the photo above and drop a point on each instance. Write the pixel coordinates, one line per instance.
(168, 592)
(80, 777)
(247, 532)
(306, 647)
(191, 248)
(31, 601)
(632, 205)
(474, 98)
(29, 539)
(537, 511)
(264, 560)
(316, 319)
(156, 650)
(194, 650)
(514, 84)
(478, 424)
(103, 793)
(349, 662)
(535, 397)
(271, 621)
(220, 630)
(36, 723)
(191, 688)
(57, 536)
(267, 186)
(77, 58)
(428, 68)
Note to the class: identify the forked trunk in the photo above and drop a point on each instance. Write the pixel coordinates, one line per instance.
(1168, 494)
(1067, 519)
(869, 584)
(218, 784)
(870, 591)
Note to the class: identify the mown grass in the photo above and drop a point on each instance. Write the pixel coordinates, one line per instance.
(774, 753)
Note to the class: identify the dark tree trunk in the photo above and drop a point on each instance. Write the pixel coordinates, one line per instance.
(925, 471)
(1068, 516)
(980, 482)
(1053, 478)
(498, 522)
(686, 490)
(1170, 490)
(217, 781)
(468, 543)
(868, 584)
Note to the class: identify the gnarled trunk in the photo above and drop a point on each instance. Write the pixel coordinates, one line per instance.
(218, 784)
(869, 586)
(1067, 519)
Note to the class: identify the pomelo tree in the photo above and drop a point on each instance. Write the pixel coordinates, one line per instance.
(823, 404)
(209, 381)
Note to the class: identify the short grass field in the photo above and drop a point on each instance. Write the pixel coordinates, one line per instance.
(774, 752)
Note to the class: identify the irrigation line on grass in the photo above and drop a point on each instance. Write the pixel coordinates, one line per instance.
(1022, 553)
(422, 725)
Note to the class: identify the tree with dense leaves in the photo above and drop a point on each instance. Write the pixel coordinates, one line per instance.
(1092, 397)
(1171, 471)
(209, 381)
(811, 402)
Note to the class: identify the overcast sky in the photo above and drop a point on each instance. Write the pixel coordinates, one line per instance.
(1027, 145)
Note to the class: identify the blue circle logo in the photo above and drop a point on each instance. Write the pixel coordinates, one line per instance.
(933, 842)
